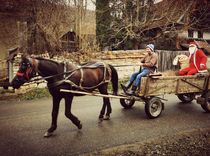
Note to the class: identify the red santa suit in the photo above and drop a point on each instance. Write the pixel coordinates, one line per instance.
(197, 61)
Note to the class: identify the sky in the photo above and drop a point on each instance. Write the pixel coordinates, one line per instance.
(91, 5)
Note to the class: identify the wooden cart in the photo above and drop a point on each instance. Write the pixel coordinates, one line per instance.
(187, 88)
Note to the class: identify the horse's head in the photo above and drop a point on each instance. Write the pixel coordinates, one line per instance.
(25, 73)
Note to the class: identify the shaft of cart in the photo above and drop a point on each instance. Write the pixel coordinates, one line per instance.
(102, 95)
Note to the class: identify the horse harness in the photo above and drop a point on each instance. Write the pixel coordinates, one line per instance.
(105, 79)
(106, 76)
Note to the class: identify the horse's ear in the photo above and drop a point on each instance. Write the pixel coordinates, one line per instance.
(26, 56)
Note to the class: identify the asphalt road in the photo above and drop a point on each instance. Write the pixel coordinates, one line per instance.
(23, 124)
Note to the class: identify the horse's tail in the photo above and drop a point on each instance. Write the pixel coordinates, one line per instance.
(114, 79)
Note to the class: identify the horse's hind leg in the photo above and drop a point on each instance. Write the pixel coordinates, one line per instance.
(106, 103)
(56, 102)
(68, 114)
(101, 116)
(109, 109)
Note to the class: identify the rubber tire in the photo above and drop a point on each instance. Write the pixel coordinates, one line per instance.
(127, 104)
(5, 87)
(186, 98)
(206, 106)
(148, 105)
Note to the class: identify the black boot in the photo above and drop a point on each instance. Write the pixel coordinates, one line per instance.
(132, 91)
(126, 86)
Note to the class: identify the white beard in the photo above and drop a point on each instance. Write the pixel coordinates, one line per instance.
(192, 50)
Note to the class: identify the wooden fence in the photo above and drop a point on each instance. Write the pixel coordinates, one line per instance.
(3, 70)
(165, 59)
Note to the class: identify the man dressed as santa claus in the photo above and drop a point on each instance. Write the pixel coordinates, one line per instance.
(197, 61)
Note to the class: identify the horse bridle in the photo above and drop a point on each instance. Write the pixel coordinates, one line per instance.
(31, 67)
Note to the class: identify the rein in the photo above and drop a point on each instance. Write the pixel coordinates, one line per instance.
(52, 76)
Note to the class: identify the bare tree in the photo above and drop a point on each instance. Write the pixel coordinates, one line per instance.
(137, 21)
(50, 19)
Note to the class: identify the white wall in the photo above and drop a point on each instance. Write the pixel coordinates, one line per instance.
(206, 35)
(184, 34)
(157, 1)
(195, 34)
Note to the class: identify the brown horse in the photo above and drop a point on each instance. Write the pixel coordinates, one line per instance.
(87, 77)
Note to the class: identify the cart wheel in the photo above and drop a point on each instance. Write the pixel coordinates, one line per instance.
(206, 105)
(153, 107)
(127, 103)
(5, 87)
(186, 98)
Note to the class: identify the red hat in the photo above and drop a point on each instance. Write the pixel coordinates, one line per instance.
(193, 44)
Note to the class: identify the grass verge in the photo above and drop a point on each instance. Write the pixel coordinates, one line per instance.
(35, 93)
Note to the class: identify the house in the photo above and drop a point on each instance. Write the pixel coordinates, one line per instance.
(69, 41)
(10, 20)
(176, 23)
(35, 29)
(82, 35)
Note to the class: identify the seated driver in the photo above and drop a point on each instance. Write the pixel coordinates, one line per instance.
(148, 64)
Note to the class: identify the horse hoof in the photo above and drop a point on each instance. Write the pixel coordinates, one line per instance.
(107, 117)
(48, 134)
(79, 126)
(100, 119)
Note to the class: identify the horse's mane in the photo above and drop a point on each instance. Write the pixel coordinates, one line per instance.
(88, 63)
(45, 59)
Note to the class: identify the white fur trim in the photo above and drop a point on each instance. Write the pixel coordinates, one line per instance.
(194, 61)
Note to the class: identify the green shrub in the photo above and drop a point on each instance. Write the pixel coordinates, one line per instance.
(36, 93)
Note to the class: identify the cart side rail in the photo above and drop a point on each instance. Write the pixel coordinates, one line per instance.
(160, 85)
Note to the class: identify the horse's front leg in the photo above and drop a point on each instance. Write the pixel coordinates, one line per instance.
(55, 109)
(68, 114)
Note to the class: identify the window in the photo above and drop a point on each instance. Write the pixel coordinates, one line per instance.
(200, 34)
(190, 33)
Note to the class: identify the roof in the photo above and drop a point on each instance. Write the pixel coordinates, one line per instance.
(204, 45)
(169, 12)
(15, 7)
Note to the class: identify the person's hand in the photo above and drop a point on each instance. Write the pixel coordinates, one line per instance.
(202, 66)
(141, 64)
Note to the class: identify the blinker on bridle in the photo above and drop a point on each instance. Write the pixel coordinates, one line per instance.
(28, 70)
